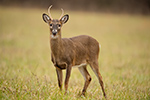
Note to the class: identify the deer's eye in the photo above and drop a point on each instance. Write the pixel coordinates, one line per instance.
(59, 25)
(51, 25)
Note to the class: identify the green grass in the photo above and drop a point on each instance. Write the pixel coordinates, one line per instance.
(26, 71)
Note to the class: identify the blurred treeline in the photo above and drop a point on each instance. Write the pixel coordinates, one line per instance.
(117, 6)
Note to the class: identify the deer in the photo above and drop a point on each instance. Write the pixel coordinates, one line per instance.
(67, 53)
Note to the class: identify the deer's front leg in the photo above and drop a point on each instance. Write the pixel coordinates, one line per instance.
(68, 73)
(60, 77)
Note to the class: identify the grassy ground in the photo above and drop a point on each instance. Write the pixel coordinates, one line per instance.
(26, 71)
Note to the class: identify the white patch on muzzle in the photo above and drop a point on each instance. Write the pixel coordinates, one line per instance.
(54, 36)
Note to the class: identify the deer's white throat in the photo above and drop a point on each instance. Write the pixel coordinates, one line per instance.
(54, 37)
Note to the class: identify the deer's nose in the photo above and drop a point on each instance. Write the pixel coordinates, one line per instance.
(54, 34)
(54, 31)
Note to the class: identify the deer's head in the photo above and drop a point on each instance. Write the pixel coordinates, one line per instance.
(55, 24)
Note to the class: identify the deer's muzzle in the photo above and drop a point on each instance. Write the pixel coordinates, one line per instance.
(54, 32)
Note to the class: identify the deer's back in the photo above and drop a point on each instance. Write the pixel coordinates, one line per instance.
(86, 46)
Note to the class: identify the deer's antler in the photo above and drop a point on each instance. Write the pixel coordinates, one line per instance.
(61, 13)
(49, 11)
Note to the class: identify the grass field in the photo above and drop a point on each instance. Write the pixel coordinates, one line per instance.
(26, 71)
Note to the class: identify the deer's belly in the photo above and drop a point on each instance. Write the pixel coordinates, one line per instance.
(81, 65)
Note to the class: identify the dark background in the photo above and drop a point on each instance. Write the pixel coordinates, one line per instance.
(115, 6)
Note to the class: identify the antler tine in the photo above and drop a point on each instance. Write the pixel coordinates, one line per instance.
(62, 13)
(49, 11)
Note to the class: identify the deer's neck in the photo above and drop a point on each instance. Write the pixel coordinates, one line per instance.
(56, 46)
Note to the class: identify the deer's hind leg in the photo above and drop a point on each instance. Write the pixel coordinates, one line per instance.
(86, 76)
(95, 68)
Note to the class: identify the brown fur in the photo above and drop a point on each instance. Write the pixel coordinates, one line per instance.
(69, 52)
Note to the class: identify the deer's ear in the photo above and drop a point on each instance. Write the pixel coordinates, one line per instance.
(46, 18)
(64, 19)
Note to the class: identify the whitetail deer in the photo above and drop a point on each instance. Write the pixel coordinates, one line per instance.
(69, 52)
